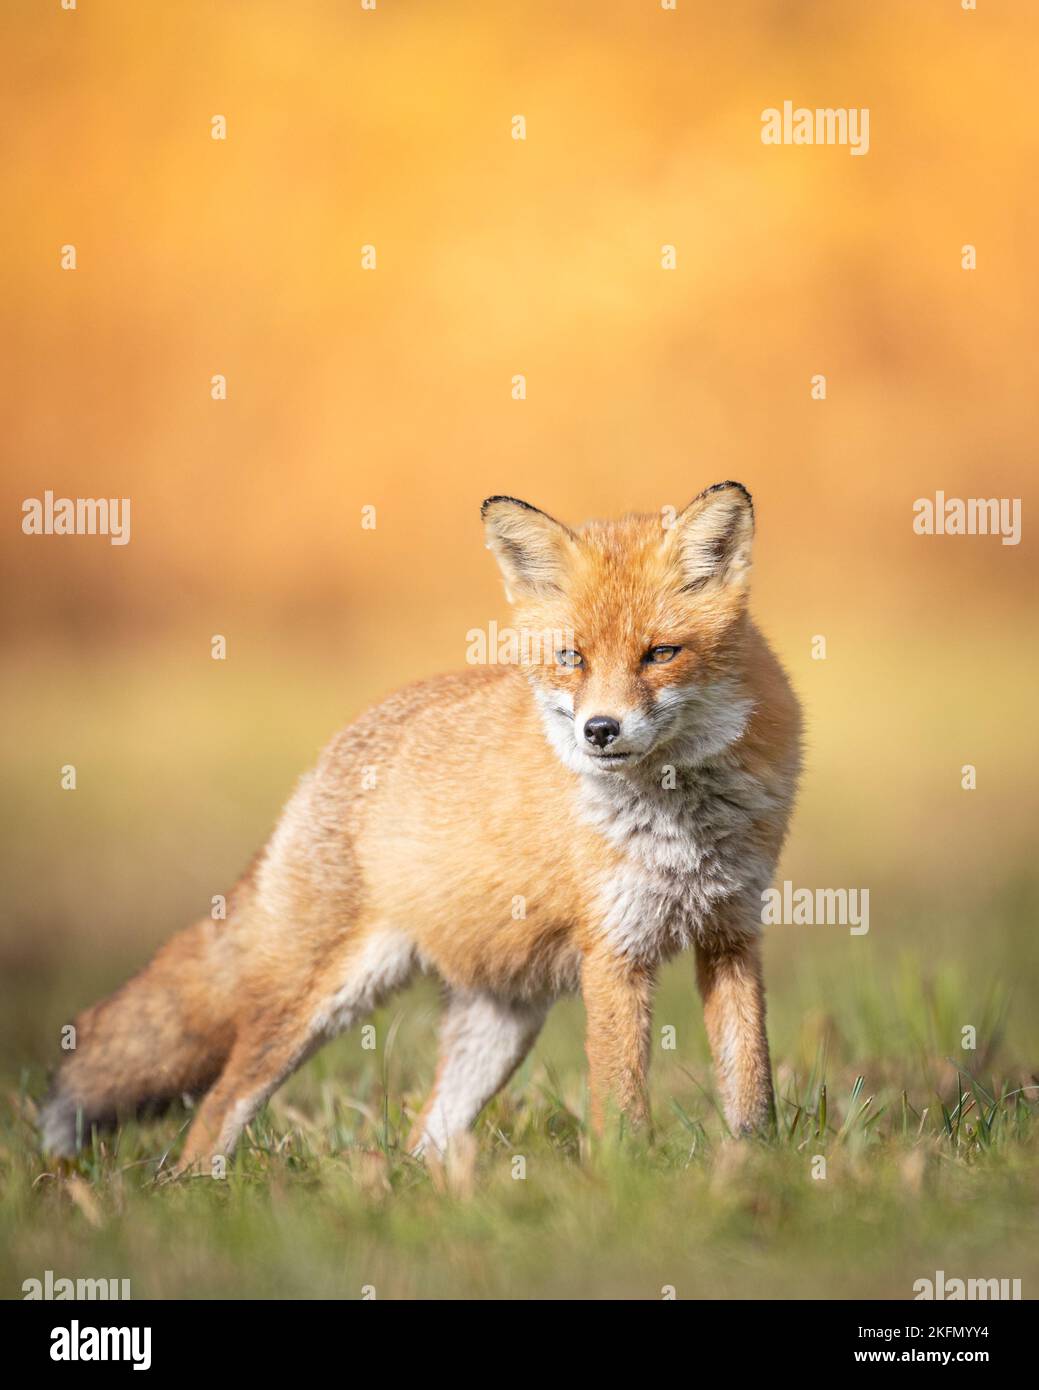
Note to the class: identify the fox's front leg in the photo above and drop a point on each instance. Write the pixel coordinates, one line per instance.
(618, 1001)
(733, 991)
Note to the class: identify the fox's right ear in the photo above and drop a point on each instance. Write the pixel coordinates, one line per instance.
(530, 547)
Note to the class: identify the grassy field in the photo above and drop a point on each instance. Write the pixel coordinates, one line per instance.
(930, 1149)
(921, 1174)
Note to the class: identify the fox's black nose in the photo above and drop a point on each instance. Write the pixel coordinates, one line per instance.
(601, 730)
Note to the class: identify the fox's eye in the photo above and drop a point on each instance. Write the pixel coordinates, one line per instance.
(656, 656)
(569, 658)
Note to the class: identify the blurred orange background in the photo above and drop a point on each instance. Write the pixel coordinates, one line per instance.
(496, 257)
(392, 388)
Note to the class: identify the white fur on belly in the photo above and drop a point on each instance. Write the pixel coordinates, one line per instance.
(385, 961)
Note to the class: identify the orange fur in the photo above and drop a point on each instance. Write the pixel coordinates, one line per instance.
(482, 800)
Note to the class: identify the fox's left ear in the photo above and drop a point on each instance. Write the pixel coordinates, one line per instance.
(711, 540)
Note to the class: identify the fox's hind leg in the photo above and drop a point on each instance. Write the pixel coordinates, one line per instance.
(256, 1067)
(283, 1031)
(483, 1040)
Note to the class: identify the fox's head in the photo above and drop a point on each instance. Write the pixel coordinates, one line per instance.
(632, 631)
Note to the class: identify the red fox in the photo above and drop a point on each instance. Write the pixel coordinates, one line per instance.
(565, 823)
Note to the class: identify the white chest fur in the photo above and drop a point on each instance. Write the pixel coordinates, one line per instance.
(685, 849)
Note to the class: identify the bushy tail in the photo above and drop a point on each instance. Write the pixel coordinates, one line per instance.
(165, 1033)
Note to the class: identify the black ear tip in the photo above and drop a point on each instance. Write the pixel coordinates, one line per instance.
(729, 482)
(515, 501)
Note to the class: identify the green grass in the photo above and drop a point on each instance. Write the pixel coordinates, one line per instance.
(930, 1149)
(927, 1167)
